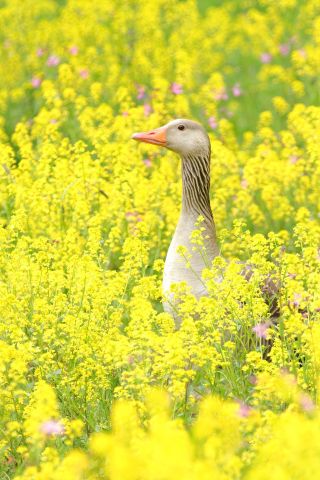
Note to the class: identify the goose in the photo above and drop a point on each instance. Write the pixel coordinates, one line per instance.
(191, 141)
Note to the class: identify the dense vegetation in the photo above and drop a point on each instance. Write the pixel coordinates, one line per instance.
(95, 380)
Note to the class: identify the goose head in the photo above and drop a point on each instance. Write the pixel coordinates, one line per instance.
(185, 137)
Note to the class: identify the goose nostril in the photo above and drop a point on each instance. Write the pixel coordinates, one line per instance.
(156, 136)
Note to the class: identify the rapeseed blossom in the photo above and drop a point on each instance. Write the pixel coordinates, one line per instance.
(95, 379)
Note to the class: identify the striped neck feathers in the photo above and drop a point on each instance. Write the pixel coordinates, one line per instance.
(196, 186)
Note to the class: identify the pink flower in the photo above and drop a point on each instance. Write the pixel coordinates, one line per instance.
(265, 57)
(221, 94)
(84, 73)
(52, 427)
(74, 50)
(40, 52)
(141, 92)
(297, 299)
(36, 82)
(147, 162)
(176, 88)
(147, 109)
(284, 49)
(133, 216)
(261, 329)
(213, 122)
(125, 114)
(236, 90)
(53, 61)
(306, 403)
(53, 121)
(244, 410)
(293, 159)
(244, 183)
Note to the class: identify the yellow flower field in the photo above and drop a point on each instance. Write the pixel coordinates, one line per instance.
(96, 382)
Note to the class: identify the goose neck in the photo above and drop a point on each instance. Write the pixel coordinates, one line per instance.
(196, 186)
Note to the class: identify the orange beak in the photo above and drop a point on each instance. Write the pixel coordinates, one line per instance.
(156, 137)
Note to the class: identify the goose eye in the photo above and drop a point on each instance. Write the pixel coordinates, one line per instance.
(181, 127)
